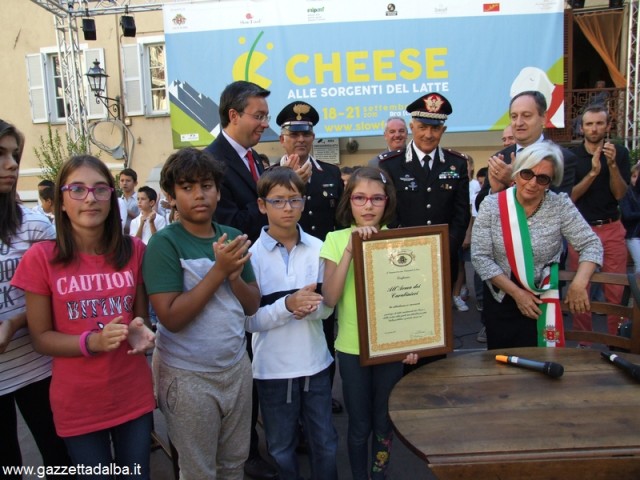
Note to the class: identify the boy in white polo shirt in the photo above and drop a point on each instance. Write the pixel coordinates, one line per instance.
(290, 355)
(148, 222)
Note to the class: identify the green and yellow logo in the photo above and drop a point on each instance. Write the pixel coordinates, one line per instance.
(247, 65)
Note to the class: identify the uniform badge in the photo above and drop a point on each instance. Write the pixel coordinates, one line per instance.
(433, 103)
(301, 109)
(449, 174)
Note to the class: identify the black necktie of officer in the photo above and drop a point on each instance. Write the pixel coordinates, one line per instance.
(425, 165)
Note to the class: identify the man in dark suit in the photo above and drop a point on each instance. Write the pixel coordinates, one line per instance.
(395, 136)
(323, 188)
(528, 113)
(432, 183)
(244, 116)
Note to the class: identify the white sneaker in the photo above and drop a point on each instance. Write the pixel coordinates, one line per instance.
(458, 302)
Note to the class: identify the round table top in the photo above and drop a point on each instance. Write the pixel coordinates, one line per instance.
(470, 408)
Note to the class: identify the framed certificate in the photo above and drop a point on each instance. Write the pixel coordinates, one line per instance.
(403, 293)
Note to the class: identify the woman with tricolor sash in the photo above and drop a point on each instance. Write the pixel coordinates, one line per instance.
(516, 245)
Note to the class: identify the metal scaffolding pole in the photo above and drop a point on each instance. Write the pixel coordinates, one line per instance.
(71, 73)
(631, 108)
(65, 14)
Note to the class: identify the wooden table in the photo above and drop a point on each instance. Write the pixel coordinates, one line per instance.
(472, 418)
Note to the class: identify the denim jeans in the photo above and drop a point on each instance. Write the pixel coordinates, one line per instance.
(633, 245)
(131, 444)
(281, 408)
(366, 396)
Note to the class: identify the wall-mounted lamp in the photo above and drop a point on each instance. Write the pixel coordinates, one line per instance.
(97, 82)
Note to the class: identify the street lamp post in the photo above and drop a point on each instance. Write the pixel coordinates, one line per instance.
(97, 82)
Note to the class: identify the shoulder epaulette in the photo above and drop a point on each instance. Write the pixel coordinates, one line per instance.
(464, 156)
(391, 154)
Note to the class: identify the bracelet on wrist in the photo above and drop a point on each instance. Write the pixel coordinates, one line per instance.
(84, 344)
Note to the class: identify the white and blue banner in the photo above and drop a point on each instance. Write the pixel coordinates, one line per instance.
(360, 61)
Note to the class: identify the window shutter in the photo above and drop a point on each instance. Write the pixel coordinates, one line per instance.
(95, 109)
(132, 75)
(37, 90)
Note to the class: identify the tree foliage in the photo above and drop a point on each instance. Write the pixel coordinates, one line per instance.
(53, 151)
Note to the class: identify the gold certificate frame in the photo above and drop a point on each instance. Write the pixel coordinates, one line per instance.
(403, 293)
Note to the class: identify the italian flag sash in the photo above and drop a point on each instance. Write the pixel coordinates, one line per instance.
(517, 241)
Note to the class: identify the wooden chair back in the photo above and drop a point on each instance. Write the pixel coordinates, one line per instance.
(631, 311)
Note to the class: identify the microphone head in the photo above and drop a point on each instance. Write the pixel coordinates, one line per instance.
(554, 370)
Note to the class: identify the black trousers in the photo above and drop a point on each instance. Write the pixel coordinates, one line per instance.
(33, 401)
(506, 326)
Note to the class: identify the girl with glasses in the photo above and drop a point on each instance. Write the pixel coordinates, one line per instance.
(367, 204)
(85, 304)
(516, 245)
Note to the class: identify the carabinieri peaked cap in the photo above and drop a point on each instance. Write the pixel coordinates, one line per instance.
(432, 109)
(298, 117)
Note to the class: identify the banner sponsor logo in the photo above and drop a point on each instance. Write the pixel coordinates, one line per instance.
(358, 66)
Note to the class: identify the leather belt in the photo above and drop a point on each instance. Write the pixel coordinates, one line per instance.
(602, 222)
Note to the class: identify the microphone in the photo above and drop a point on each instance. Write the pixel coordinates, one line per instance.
(552, 369)
(631, 368)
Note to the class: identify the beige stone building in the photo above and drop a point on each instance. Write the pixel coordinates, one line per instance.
(32, 97)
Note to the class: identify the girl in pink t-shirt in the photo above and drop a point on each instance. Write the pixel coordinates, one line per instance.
(85, 307)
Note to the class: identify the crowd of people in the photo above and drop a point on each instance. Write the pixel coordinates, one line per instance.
(236, 273)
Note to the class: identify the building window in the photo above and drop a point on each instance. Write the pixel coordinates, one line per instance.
(55, 88)
(145, 77)
(157, 79)
(45, 84)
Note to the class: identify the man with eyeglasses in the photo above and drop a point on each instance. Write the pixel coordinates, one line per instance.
(244, 116)
(602, 175)
(323, 187)
(323, 182)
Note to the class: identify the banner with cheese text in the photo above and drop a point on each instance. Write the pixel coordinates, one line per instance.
(359, 62)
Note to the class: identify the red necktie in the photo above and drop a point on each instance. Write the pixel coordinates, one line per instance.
(252, 166)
